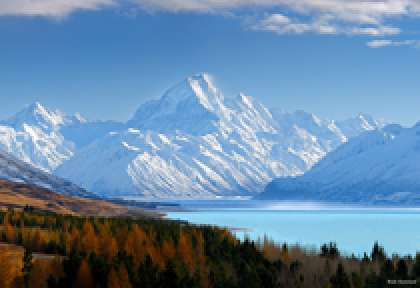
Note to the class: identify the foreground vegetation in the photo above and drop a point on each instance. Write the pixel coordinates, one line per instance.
(51, 250)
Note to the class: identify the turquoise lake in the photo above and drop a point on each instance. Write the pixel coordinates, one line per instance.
(354, 229)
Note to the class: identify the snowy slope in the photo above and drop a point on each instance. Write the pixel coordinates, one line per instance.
(17, 171)
(46, 138)
(382, 166)
(194, 142)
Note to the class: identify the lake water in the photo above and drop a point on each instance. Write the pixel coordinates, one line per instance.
(354, 229)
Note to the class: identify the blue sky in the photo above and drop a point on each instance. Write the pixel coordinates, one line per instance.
(104, 58)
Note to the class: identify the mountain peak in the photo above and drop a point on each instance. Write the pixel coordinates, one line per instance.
(365, 116)
(36, 114)
(203, 76)
(193, 103)
(368, 121)
(79, 118)
(198, 87)
(35, 108)
(204, 80)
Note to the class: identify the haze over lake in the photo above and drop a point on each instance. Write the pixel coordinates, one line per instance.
(354, 229)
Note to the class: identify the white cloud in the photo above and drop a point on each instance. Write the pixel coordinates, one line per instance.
(276, 19)
(353, 11)
(356, 11)
(355, 17)
(376, 31)
(379, 43)
(282, 24)
(391, 43)
(352, 17)
(49, 8)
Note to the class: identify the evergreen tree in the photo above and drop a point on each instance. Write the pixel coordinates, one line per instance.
(378, 253)
(169, 276)
(416, 268)
(402, 269)
(387, 269)
(356, 280)
(148, 273)
(330, 250)
(340, 279)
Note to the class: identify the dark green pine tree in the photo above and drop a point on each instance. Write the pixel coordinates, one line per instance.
(169, 277)
(378, 253)
(387, 269)
(148, 274)
(340, 279)
(402, 269)
(416, 268)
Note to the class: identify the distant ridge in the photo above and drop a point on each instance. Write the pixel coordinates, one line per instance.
(378, 167)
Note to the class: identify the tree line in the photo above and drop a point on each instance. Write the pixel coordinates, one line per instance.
(124, 252)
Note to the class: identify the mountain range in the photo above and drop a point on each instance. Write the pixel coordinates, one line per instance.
(378, 167)
(191, 143)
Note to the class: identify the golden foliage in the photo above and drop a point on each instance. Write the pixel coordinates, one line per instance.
(84, 276)
(185, 250)
(10, 265)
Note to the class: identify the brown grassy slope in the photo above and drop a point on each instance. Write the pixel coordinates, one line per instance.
(19, 195)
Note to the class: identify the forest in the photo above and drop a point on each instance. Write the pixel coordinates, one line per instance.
(44, 249)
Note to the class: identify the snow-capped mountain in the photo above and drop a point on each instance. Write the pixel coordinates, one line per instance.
(355, 126)
(381, 166)
(194, 142)
(45, 138)
(194, 107)
(33, 136)
(17, 171)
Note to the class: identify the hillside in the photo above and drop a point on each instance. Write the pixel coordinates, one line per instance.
(18, 195)
(16, 170)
